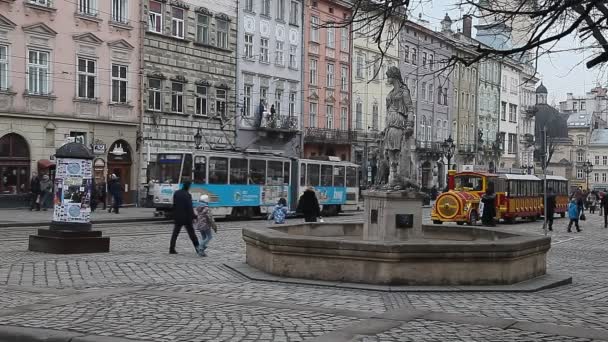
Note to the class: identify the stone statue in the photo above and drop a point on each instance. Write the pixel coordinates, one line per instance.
(397, 137)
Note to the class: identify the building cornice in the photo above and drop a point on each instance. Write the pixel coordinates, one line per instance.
(68, 119)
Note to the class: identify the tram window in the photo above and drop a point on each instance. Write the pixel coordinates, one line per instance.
(218, 170)
(286, 175)
(339, 175)
(275, 173)
(168, 166)
(312, 175)
(351, 176)
(238, 171)
(302, 174)
(326, 175)
(187, 169)
(258, 171)
(200, 170)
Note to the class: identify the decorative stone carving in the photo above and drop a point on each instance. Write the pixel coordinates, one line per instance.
(179, 78)
(223, 16)
(203, 10)
(280, 32)
(264, 28)
(249, 22)
(157, 74)
(294, 36)
(179, 4)
(202, 83)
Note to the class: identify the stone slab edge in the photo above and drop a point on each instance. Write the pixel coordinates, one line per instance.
(25, 334)
(47, 223)
(538, 284)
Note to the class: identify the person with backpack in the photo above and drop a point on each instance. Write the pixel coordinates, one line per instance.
(573, 215)
(279, 212)
(204, 224)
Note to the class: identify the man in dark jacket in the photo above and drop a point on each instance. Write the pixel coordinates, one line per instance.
(183, 215)
(550, 207)
(489, 209)
(115, 190)
(35, 192)
(309, 206)
(604, 204)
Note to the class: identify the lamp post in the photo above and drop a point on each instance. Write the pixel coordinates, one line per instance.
(448, 148)
(528, 168)
(198, 137)
(587, 169)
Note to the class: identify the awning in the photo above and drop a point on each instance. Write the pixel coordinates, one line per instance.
(45, 164)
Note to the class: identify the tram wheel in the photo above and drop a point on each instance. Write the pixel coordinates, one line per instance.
(562, 215)
(437, 222)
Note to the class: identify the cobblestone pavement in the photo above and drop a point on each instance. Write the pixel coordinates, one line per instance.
(140, 292)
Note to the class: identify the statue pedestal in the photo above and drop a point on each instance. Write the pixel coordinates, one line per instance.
(61, 239)
(392, 215)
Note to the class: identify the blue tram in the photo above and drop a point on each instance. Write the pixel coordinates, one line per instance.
(250, 184)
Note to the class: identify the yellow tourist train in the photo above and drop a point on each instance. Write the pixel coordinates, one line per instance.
(517, 196)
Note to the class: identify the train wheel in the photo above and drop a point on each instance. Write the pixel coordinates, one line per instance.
(460, 223)
(472, 219)
(509, 220)
(437, 222)
(562, 215)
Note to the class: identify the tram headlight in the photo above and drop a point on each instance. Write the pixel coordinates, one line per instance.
(156, 199)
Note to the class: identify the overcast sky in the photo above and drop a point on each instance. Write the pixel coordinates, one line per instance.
(559, 72)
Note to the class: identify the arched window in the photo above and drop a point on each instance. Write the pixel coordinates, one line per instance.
(14, 164)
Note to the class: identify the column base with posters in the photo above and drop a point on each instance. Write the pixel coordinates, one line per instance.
(71, 230)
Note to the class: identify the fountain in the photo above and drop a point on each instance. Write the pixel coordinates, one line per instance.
(392, 247)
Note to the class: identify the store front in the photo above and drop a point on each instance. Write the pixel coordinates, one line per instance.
(14, 170)
(120, 162)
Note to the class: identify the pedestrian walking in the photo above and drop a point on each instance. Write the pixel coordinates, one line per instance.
(116, 190)
(489, 209)
(604, 209)
(183, 216)
(580, 200)
(573, 214)
(102, 192)
(279, 212)
(35, 192)
(204, 224)
(592, 200)
(550, 208)
(308, 205)
(46, 192)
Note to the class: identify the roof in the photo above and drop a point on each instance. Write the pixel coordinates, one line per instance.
(599, 137)
(560, 178)
(520, 177)
(541, 89)
(579, 120)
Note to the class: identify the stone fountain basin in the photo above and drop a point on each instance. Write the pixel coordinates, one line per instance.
(443, 255)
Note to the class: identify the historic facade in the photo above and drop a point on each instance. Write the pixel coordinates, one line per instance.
(509, 114)
(190, 75)
(269, 91)
(327, 76)
(68, 70)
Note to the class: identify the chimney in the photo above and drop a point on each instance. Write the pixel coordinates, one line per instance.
(467, 24)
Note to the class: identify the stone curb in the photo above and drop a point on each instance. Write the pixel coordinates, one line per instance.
(43, 224)
(547, 281)
(24, 334)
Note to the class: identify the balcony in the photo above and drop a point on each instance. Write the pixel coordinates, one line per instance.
(282, 125)
(527, 139)
(429, 149)
(466, 148)
(325, 135)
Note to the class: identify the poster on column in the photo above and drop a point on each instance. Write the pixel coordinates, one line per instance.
(73, 186)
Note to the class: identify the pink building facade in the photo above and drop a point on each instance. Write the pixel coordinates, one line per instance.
(69, 69)
(327, 75)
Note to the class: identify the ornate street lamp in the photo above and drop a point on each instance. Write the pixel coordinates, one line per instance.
(448, 148)
(587, 169)
(528, 168)
(198, 137)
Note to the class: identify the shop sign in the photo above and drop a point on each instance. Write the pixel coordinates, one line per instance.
(99, 148)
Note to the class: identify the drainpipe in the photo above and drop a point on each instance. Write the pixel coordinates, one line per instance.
(140, 158)
(237, 121)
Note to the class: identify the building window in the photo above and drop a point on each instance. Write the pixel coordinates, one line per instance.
(220, 102)
(512, 113)
(86, 78)
(424, 60)
(359, 115)
(313, 115)
(314, 29)
(580, 174)
(583, 105)
(279, 54)
(155, 17)
(439, 95)
(596, 177)
(431, 62)
(423, 91)
(329, 114)
(512, 143)
(248, 46)
(119, 83)
(221, 27)
(604, 177)
(266, 7)
(431, 95)
(580, 140)
(293, 13)
(604, 160)
(292, 104)
(597, 160)
(414, 57)
(375, 116)
(344, 38)
(360, 65)
(38, 72)
(330, 75)
(280, 9)
(201, 100)
(580, 156)
(445, 96)
(264, 50)
(154, 94)
(177, 97)
(313, 72)
(87, 7)
(293, 61)
(503, 111)
(249, 5)
(331, 37)
(264, 96)
(202, 29)
(278, 95)
(344, 78)
(406, 53)
(344, 119)
(46, 3)
(3, 67)
(177, 22)
(119, 11)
